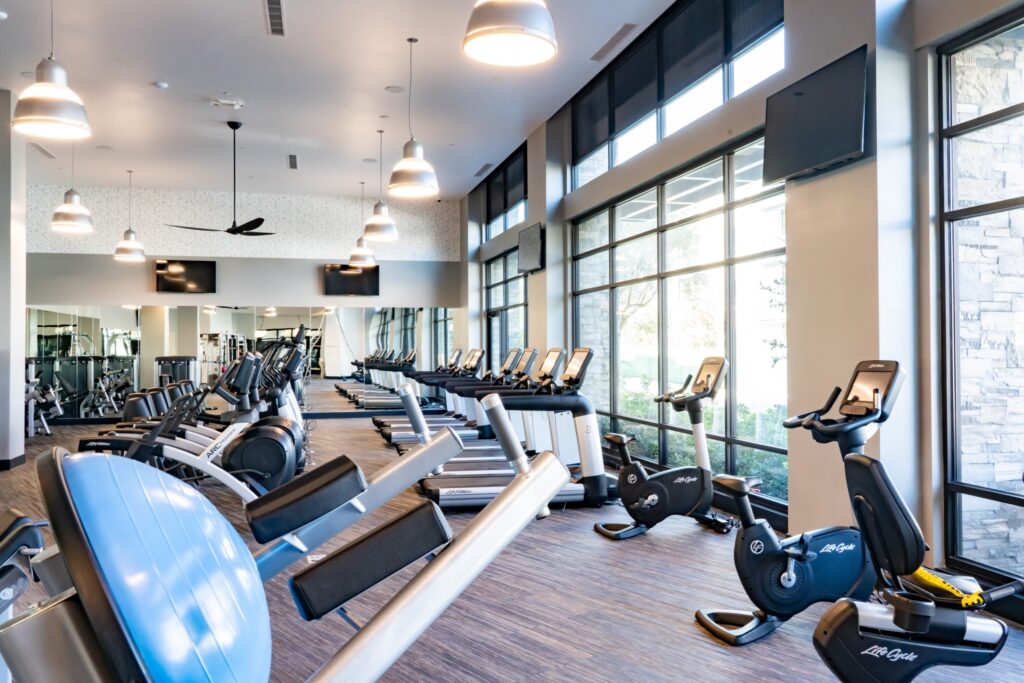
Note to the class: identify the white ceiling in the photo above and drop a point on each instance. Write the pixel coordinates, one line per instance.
(317, 92)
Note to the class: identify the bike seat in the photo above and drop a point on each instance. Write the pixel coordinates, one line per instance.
(619, 439)
(736, 486)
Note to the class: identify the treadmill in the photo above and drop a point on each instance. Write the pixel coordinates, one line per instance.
(398, 432)
(590, 485)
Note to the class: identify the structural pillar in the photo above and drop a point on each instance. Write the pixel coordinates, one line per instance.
(12, 289)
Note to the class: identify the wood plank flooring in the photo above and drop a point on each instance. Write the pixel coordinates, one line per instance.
(560, 604)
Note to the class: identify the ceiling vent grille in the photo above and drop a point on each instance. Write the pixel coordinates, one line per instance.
(613, 42)
(293, 162)
(483, 170)
(275, 17)
(42, 150)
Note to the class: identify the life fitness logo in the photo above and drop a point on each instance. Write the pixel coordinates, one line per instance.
(757, 547)
(893, 655)
(838, 548)
(631, 479)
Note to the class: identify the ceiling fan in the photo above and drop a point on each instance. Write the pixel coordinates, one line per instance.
(245, 229)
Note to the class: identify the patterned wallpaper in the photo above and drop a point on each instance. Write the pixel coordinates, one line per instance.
(309, 227)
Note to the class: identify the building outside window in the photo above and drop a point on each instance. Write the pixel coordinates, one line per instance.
(505, 307)
(694, 58)
(693, 267)
(982, 229)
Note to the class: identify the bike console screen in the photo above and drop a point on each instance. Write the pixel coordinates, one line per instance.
(709, 375)
(871, 376)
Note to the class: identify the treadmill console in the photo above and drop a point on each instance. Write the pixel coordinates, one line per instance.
(709, 378)
(525, 361)
(550, 364)
(473, 359)
(510, 360)
(576, 367)
(883, 376)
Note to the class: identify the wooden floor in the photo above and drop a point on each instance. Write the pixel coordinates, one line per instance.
(560, 604)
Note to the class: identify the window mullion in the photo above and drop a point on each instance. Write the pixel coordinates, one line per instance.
(730, 317)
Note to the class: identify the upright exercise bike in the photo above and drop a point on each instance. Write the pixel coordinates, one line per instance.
(686, 491)
(783, 578)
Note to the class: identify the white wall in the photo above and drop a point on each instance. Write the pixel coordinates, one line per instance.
(12, 291)
(98, 279)
(313, 227)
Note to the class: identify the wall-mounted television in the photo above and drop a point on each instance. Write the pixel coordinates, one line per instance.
(818, 122)
(531, 249)
(343, 280)
(186, 277)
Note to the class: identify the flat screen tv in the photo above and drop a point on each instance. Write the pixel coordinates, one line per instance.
(186, 277)
(531, 249)
(818, 122)
(342, 280)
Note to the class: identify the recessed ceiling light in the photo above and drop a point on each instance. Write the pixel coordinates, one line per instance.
(3, 15)
(394, 89)
(161, 85)
(369, 160)
(105, 148)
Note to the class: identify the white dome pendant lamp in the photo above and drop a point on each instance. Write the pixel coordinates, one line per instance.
(511, 33)
(413, 177)
(361, 256)
(381, 227)
(129, 249)
(48, 108)
(72, 217)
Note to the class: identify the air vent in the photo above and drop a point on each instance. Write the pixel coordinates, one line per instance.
(293, 162)
(42, 150)
(613, 43)
(275, 17)
(483, 170)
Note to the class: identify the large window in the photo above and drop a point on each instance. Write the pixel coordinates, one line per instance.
(442, 334)
(506, 307)
(506, 195)
(982, 224)
(689, 62)
(693, 267)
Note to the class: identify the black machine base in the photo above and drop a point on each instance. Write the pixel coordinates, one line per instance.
(746, 627)
(619, 531)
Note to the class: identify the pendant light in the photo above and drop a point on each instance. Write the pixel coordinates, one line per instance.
(72, 217)
(361, 256)
(510, 33)
(413, 176)
(129, 249)
(381, 227)
(49, 108)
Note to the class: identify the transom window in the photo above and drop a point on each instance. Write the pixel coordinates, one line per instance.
(506, 195)
(689, 62)
(693, 267)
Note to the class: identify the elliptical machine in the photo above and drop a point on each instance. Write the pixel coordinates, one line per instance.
(686, 491)
(783, 578)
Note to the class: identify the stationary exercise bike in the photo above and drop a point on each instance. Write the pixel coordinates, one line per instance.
(783, 578)
(687, 491)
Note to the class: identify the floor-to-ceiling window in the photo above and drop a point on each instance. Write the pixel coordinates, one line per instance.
(694, 58)
(442, 334)
(982, 225)
(505, 307)
(692, 267)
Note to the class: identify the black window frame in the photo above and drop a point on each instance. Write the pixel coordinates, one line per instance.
(655, 33)
(773, 508)
(441, 340)
(501, 312)
(494, 210)
(947, 217)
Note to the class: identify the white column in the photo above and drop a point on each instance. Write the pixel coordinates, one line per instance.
(12, 289)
